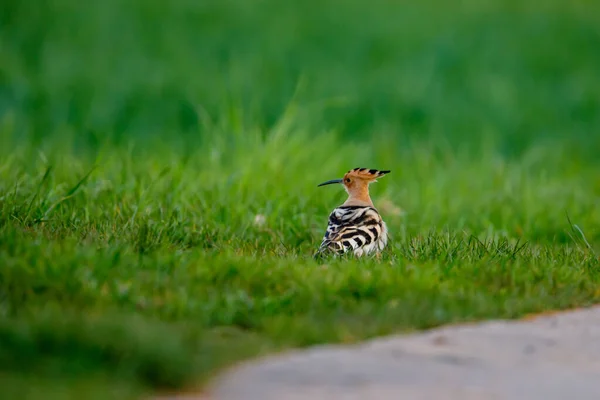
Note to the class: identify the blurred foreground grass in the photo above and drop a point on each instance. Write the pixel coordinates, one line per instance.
(141, 145)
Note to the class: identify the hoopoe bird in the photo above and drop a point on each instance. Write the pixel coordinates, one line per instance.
(356, 225)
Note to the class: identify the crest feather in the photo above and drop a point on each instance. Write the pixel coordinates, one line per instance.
(367, 173)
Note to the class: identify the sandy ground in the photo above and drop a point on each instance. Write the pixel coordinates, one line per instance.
(549, 357)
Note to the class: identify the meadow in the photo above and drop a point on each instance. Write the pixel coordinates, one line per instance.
(159, 165)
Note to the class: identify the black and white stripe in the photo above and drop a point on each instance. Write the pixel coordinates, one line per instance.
(359, 229)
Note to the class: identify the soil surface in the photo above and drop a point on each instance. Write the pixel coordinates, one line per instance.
(547, 357)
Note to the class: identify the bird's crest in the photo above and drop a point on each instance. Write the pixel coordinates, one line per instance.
(366, 173)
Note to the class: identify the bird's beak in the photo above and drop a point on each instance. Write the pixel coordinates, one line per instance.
(330, 182)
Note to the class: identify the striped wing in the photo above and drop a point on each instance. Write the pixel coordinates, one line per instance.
(354, 228)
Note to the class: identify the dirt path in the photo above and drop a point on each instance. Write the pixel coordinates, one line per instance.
(550, 357)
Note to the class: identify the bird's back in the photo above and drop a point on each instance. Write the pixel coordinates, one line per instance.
(354, 228)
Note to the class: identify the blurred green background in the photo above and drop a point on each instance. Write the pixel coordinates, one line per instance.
(140, 141)
(519, 71)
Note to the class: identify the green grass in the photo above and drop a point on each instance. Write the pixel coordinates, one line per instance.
(139, 142)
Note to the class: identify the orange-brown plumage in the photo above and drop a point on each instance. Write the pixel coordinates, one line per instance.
(356, 182)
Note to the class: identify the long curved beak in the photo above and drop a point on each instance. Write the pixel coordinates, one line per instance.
(330, 182)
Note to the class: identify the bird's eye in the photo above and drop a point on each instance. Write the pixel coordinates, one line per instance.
(347, 180)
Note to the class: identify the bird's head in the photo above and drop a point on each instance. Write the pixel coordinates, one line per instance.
(357, 180)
